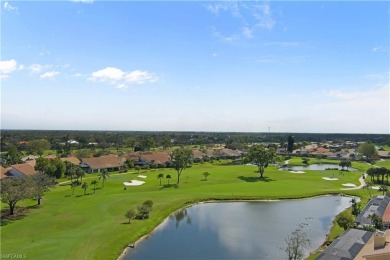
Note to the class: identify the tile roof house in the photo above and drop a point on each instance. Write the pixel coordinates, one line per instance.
(377, 206)
(157, 157)
(384, 154)
(347, 246)
(3, 172)
(21, 170)
(71, 159)
(105, 162)
(147, 158)
(377, 248)
(226, 153)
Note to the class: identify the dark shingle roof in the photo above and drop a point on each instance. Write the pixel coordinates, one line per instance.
(347, 246)
(377, 206)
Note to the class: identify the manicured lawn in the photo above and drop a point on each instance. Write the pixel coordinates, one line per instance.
(94, 226)
(384, 163)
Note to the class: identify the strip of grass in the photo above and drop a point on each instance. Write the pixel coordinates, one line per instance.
(94, 226)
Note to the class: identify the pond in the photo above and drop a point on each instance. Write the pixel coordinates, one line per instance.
(239, 230)
(315, 167)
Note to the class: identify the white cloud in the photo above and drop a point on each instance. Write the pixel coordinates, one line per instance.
(250, 17)
(9, 7)
(7, 67)
(120, 78)
(214, 54)
(21, 67)
(140, 77)
(357, 97)
(83, 1)
(247, 32)
(35, 68)
(108, 74)
(49, 75)
(375, 49)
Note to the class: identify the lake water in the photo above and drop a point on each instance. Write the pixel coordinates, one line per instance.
(239, 230)
(315, 167)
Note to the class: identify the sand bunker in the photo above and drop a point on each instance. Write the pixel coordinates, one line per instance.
(375, 187)
(133, 183)
(349, 184)
(142, 176)
(329, 179)
(296, 171)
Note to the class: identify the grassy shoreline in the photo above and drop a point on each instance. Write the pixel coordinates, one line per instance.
(93, 226)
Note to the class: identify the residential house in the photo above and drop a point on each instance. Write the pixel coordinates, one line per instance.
(148, 158)
(21, 170)
(71, 159)
(384, 154)
(29, 159)
(376, 248)
(160, 158)
(347, 246)
(105, 162)
(226, 153)
(3, 173)
(198, 156)
(378, 206)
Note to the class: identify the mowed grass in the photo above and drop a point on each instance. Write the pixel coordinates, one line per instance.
(94, 226)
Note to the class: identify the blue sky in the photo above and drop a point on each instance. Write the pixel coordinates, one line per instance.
(196, 66)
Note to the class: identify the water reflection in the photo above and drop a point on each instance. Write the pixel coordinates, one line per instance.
(180, 215)
(239, 230)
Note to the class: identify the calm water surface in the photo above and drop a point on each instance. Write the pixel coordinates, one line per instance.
(315, 167)
(239, 230)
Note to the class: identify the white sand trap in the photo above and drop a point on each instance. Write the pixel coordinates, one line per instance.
(375, 187)
(329, 179)
(142, 176)
(349, 184)
(296, 171)
(133, 183)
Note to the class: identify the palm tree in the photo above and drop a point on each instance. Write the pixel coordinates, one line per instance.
(80, 174)
(168, 176)
(85, 187)
(160, 176)
(94, 183)
(371, 173)
(383, 189)
(205, 174)
(103, 175)
(73, 185)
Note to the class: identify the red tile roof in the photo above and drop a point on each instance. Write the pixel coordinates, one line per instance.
(103, 162)
(71, 159)
(157, 157)
(3, 172)
(25, 168)
(386, 215)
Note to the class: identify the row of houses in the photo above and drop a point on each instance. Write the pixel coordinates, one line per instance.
(360, 244)
(114, 162)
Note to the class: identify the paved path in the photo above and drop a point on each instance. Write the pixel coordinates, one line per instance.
(362, 183)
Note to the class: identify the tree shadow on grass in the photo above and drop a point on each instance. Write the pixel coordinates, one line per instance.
(168, 186)
(255, 179)
(19, 213)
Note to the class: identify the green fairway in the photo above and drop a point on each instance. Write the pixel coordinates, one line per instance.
(94, 226)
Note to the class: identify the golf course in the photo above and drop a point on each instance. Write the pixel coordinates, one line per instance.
(93, 226)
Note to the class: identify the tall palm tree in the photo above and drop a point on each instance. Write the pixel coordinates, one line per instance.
(160, 176)
(94, 183)
(168, 176)
(85, 187)
(80, 174)
(103, 175)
